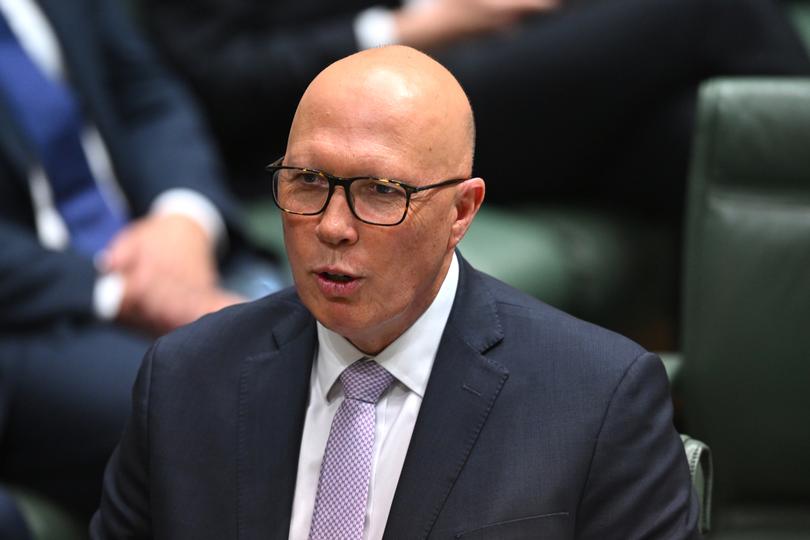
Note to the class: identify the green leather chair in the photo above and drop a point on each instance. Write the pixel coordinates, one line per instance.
(745, 378)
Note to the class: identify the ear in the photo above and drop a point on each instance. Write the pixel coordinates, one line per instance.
(469, 196)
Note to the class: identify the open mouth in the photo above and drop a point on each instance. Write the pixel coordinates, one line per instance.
(337, 278)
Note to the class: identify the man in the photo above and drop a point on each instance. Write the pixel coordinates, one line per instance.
(115, 226)
(464, 409)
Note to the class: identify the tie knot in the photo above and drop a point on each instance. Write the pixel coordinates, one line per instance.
(365, 380)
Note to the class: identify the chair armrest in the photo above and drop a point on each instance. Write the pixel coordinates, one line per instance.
(699, 457)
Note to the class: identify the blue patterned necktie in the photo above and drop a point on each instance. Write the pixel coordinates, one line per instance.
(47, 114)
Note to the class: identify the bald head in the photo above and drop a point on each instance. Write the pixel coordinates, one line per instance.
(391, 113)
(410, 101)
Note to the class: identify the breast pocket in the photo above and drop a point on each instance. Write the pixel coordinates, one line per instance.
(554, 526)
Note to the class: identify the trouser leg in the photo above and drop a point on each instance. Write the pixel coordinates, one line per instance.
(69, 399)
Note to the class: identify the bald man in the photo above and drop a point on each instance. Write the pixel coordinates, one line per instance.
(395, 392)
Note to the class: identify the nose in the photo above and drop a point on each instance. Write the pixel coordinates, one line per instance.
(337, 224)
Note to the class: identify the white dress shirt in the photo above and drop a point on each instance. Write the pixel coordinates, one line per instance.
(36, 37)
(375, 26)
(410, 360)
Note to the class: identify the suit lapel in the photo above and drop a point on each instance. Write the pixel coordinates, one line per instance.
(79, 47)
(463, 387)
(13, 144)
(273, 392)
(79, 55)
(82, 50)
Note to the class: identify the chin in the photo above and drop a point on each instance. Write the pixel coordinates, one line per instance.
(337, 316)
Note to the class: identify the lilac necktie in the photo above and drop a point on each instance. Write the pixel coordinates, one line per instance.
(340, 505)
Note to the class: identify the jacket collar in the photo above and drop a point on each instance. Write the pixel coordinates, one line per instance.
(461, 392)
(273, 392)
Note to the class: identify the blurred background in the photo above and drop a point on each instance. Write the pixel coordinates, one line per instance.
(647, 166)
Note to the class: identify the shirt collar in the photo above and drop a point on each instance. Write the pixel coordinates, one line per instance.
(409, 358)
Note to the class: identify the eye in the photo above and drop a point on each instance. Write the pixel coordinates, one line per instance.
(308, 179)
(383, 188)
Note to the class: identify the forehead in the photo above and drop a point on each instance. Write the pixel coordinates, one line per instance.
(362, 143)
(399, 123)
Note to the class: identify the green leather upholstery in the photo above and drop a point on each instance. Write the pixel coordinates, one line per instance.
(596, 263)
(799, 13)
(746, 319)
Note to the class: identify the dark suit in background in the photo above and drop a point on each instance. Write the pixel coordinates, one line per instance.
(66, 377)
(534, 425)
(604, 91)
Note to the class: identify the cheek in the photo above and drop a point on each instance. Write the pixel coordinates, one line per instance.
(297, 242)
(394, 275)
(411, 266)
(428, 245)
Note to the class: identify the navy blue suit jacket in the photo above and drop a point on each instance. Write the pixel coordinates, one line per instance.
(534, 425)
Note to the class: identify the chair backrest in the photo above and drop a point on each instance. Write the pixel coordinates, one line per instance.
(746, 317)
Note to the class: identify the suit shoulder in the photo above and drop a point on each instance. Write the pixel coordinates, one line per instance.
(244, 329)
(538, 326)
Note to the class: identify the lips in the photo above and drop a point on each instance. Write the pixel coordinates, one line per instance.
(337, 282)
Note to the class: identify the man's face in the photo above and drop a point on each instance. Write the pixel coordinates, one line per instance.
(393, 272)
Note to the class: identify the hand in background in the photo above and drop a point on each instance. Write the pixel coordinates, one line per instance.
(163, 246)
(169, 270)
(435, 23)
(165, 305)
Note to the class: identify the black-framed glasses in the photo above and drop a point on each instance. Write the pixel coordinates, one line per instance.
(372, 200)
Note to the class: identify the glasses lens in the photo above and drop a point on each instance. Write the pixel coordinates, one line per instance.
(378, 201)
(300, 191)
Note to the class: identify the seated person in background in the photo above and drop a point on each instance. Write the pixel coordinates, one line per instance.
(115, 226)
(604, 90)
(395, 389)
